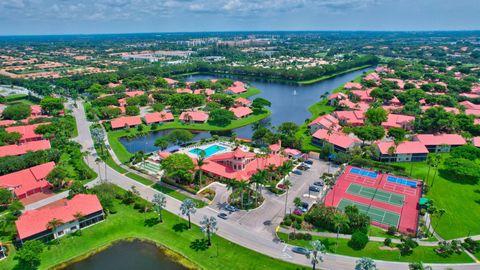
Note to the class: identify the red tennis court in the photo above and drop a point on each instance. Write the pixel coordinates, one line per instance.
(388, 200)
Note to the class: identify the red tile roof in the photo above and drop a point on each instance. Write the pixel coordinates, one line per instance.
(447, 109)
(36, 110)
(129, 121)
(327, 121)
(372, 77)
(338, 95)
(240, 112)
(196, 116)
(17, 150)
(236, 89)
(439, 139)
(398, 120)
(184, 91)
(476, 141)
(6, 122)
(134, 93)
(475, 113)
(157, 117)
(171, 81)
(207, 91)
(30, 180)
(351, 117)
(469, 105)
(364, 95)
(353, 85)
(36, 221)
(27, 131)
(405, 147)
(336, 138)
(243, 101)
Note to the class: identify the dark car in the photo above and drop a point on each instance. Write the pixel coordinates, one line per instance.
(314, 188)
(297, 172)
(305, 205)
(231, 208)
(304, 210)
(298, 212)
(319, 183)
(300, 250)
(222, 216)
(303, 168)
(308, 162)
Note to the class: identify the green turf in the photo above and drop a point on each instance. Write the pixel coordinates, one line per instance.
(375, 214)
(375, 194)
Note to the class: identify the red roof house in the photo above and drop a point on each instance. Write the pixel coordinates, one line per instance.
(27, 132)
(21, 149)
(352, 85)
(476, 141)
(134, 93)
(158, 117)
(184, 91)
(194, 117)
(372, 77)
(400, 83)
(241, 112)
(171, 81)
(399, 120)
(207, 92)
(242, 102)
(28, 181)
(354, 118)
(36, 110)
(4, 123)
(404, 151)
(364, 95)
(33, 224)
(326, 121)
(126, 121)
(440, 143)
(339, 140)
(469, 105)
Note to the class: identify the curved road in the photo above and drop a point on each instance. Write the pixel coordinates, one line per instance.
(252, 237)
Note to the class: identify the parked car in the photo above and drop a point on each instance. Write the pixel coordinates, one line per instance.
(305, 205)
(282, 186)
(223, 216)
(297, 212)
(300, 250)
(231, 208)
(308, 162)
(314, 188)
(297, 172)
(319, 183)
(306, 165)
(304, 210)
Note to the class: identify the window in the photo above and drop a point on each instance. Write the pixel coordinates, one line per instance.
(60, 233)
(74, 228)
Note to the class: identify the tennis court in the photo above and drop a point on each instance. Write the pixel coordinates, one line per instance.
(376, 194)
(376, 214)
(362, 172)
(401, 181)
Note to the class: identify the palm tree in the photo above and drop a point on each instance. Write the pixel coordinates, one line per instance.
(316, 254)
(159, 202)
(430, 165)
(79, 216)
(53, 224)
(257, 179)
(242, 186)
(330, 183)
(437, 160)
(440, 213)
(200, 162)
(98, 160)
(287, 185)
(188, 207)
(209, 227)
(365, 264)
(339, 221)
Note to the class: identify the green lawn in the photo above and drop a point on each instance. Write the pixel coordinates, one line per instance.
(128, 223)
(250, 92)
(140, 179)
(372, 250)
(461, 202)
(177, 195)
(124, 156)
(319, 79)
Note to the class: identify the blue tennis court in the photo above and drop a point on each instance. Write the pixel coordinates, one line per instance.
(401, 181)
(363, 172)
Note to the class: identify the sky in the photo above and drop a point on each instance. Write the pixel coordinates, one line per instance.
(40, 17)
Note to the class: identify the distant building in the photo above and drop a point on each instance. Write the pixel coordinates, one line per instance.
(126, 121)
(340, 141)
(440, 143)
(194, 117)
(406, 151)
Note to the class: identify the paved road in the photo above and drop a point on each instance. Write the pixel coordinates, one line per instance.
(248, 234)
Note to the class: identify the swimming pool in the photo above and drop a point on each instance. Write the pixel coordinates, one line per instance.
(401, 181)
(209, 151)
(363, 172)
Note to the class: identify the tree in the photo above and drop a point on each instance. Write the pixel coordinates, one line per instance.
(16, 112)
(200, 162)
(208, 225)
(435, 162)
(259, 103)
(162, 142)
(29, 255)
(397, 133)
(461, 170)
(220, 117)
(53, 224)
(418, 266)
(188, 208)
(159, 203)
(79, 217)
(297, 202)
(180, 136)
(58, 176)
(179, 167)
(466, 151)
(339, 221)
(369, 133)
(6, 196)
(132, 110)
(365, 264)
(376, 116)
(51, 105)
(316, 254)
(358, 241)
(287, 184)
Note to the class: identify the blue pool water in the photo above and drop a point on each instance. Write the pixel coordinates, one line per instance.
(209, 151)
(402, 181)
(363, 172)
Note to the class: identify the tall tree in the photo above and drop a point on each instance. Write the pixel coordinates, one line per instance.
(316, 254)
(159, 203)
(208, 225)
(188, 208)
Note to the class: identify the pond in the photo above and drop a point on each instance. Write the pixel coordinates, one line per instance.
(127, 255)
(290, 102)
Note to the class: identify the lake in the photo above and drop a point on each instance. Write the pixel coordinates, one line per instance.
(285, 105)
(127, 255)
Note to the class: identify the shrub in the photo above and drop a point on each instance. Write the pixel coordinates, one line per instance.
(291, 236)
(287, 222)
(358, 241)
(307, 237)
(387, 242)
(297, 226)
(142, 206)
(299, 235)
(391, 230)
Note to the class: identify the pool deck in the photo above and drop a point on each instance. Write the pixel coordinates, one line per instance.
(186, 150)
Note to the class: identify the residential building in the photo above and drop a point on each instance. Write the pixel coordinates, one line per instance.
(28, 181)
(399, 120)
(440, 143)
(326, 121)
(21, 149)
(340, 141)
(241, 112)
(81, 211)
(403, 152)
(158, 117)
(194, 117)
(126, 121)
(354, 118)
(27, 132)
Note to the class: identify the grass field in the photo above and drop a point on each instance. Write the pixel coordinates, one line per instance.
(319, 79)
(128, 223)
(461, 202)
(372, 250)
(177, 195)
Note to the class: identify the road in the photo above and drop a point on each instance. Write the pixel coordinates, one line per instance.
(244, 231)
